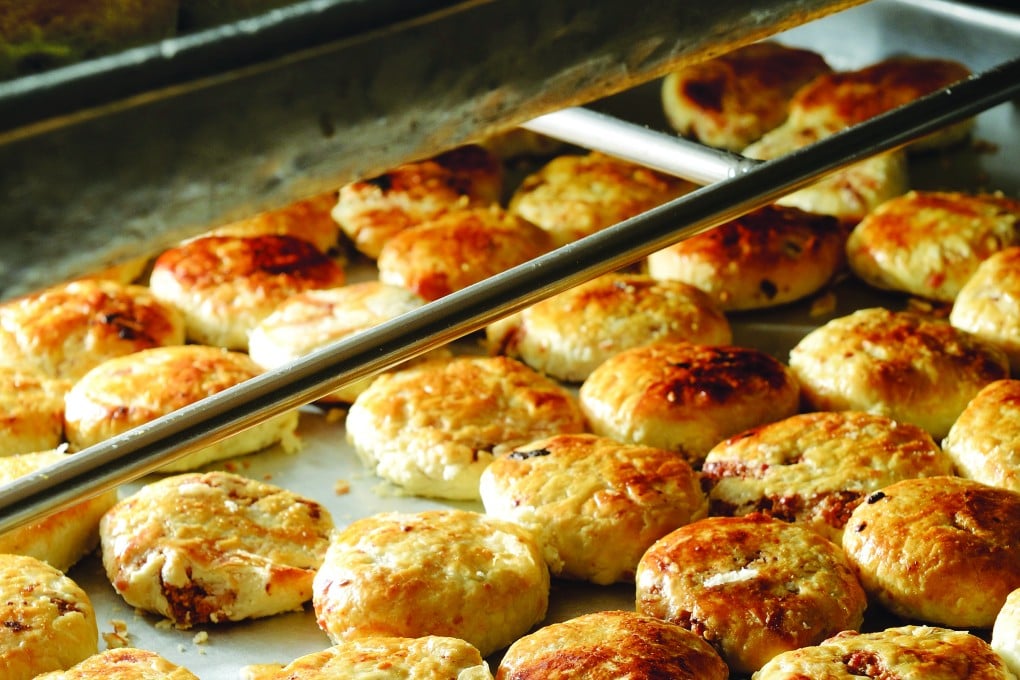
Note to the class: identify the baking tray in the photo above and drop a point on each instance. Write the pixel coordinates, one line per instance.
(977, 37)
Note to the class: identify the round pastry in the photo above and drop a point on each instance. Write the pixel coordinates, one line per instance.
(62, 538)
(48, 620)
(1006, 632)
(458, 248)
(128, 391)
(897, 364)
(984, 442)
(520, 143)
(751, 586)
(433, 427)
(610, 645)
(568, 335)
(768, 257)
(988, 304)
(929, 243)
(940, 549)
(429, 657)
(315, 318)
(574, 196)
(214, 547)
(31, 411)
(64, 331)
(847, 194)
(439, 572)
(844, 98)
(225, 285)
(308, 219)
(579, 493)
(372, 211)
(815, 468)
(686, 398)
(731, 100)
(907, 652)
(123, 663)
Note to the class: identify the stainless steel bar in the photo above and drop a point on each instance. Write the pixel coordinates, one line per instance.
(144, 449)
(658, 150)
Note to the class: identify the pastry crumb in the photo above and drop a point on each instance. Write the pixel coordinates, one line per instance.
(823, 304)
(119, 637)
(341, 487)
(200, 638)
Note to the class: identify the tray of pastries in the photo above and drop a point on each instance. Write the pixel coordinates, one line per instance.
(782, 448)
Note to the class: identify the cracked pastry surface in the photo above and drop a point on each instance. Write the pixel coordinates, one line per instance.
(429, 657)
(768, 257)
(573, 196)
(988, 304)
(609, 645)
(905, 652)
(929, 243)
(432, 428)
(579, 494)
(372, 211)
(458, 248)
(63, 331)
(48, 620)
(815, 468)
(898, 364)
(568, 335)
(214, 547)
(225, 285)
(438, 572)
(984, 442)
(731, 100)
(686, 398)
(943, 550)
(128, 391)
(751, 586)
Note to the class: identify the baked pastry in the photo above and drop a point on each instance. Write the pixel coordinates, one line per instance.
(1006, 632)
(62, 538)
(580, 493)
(929, 243)
(733, 99)
(458, 248)
(944, 550)
(308, 219)
(843, 98)
(609, 645)
(573, 196)
(768, 257)
(439, 572)
(908, 652)
(815, 468)
(308, 321)
(433, 427)
(988, 304)
(48, 620)
(63, 331)
(371, 211)
(225, 285)
(214, 547)
(984, 442)
(686, 398)
(568, 335)
(31, 411)
(520, 143)
(123, 663)
(429, 657)
(36, 36)
(751, 586)
(898, 364)
(126, 392)
(848, 194)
